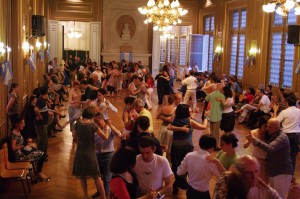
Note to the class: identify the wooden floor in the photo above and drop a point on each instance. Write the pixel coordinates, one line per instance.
(61, 154)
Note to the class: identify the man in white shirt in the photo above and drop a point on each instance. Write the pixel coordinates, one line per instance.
(290, 121)
(98, 73)
(153, 171)
(199, 169)
(192, 83)
(195, 67)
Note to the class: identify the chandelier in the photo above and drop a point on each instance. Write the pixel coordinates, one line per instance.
(163, 14)
(282, 7)
(74, 32)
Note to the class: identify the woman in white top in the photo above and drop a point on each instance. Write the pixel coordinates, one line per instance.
(261, 134)
(228, 117)
(104, 105)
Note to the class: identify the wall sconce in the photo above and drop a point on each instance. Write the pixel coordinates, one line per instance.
(218, 52)
(252, 55)
(25, 47)
(4, 50)
(2, 53)
(38, 45)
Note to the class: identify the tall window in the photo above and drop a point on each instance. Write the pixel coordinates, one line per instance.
(209, 26)
(237, 48)
(281, 57)
(173, 47)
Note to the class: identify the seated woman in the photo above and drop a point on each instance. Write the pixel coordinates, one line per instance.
(20, 150)
(227, 156)
(245, 109)
(246, 97)
(278, 103)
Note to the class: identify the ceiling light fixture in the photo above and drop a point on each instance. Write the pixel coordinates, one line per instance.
(163, 14)
(282, 7)
(74, 32)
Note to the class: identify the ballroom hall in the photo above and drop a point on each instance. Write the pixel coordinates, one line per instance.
(255, 42)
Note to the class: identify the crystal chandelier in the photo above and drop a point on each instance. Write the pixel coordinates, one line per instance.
(283, 7)
(163, 14)
(74, 32)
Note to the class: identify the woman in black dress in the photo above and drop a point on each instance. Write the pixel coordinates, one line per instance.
(85, 161)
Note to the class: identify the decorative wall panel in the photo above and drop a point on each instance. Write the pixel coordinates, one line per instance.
(95, 41)
(53, 33)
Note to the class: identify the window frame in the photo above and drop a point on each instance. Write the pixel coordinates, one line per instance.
(283, 30)
(178, 33)
(239, 31)
(211, 36)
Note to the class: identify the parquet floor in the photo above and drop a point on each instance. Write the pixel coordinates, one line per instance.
(61, 154)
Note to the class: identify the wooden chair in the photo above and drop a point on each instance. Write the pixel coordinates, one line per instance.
(19, 165)
(18, 174)
(14, 165)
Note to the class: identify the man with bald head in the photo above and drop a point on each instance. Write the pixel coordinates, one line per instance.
(247, 167)
(216, 110)
(278, 160)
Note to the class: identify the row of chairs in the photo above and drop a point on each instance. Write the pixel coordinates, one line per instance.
(14, 170)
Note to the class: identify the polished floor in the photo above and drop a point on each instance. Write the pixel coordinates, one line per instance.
(61, 154)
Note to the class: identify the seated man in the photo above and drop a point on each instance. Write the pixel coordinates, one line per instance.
(152, 171)
(199, 169)
(254, 188)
